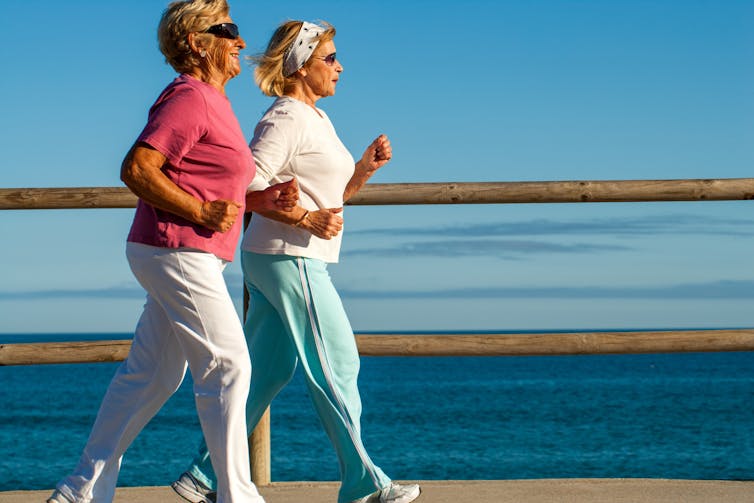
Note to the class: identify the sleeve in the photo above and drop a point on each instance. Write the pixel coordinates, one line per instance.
(176, 122)
(274, 145)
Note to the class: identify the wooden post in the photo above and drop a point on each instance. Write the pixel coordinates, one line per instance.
(260, 457)
(260, 451)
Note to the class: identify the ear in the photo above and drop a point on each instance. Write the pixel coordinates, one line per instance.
(194, 43)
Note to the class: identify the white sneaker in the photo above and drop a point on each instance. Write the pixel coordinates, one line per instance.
(58, 497)
(192, 490)
(394, 493)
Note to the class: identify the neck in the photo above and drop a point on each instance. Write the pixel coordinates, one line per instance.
(301, 92)
(212, 78)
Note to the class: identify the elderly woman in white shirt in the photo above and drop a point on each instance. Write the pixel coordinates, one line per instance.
(295, 314)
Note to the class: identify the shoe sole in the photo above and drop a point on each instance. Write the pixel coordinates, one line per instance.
(412, 496)
(188, 493)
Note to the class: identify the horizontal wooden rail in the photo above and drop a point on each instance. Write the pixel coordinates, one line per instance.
(727, 189)
(528, 344)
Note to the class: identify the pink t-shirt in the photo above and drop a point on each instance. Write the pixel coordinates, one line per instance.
(193, 125)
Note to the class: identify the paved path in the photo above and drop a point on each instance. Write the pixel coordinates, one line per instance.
(505, 491)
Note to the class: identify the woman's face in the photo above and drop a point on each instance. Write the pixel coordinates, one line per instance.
(224, 49)
(323, 71)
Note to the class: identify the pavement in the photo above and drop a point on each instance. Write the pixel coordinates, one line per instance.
(478, 491)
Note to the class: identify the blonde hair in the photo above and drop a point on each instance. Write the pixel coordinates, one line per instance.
(269, 65)
(180, 19)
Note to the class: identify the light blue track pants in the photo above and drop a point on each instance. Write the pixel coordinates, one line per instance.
(295, 315)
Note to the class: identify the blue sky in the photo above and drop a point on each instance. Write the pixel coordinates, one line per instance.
(467, 91)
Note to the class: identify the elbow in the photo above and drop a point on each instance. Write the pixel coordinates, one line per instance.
(128, 174)
(134, 172)
(125, 173)
(127, 168)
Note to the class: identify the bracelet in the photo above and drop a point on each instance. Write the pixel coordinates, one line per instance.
(301, 220)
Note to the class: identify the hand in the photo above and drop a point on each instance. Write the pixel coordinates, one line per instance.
(219, 215)
(282, 196)
(377, 154)
(325, 224)
(278, 197)
(287, 196)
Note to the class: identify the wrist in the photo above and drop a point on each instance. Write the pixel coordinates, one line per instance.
(199, 213)
(301, 220)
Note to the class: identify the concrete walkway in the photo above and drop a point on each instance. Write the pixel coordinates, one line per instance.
(505, 491)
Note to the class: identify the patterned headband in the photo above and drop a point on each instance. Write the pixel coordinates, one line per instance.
(302, 48)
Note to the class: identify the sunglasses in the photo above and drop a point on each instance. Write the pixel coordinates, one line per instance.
(329, 59)
(223, 30)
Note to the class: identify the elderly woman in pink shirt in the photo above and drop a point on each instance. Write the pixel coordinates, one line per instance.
(190, 167)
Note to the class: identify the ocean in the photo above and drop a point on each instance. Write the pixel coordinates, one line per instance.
(686, 416)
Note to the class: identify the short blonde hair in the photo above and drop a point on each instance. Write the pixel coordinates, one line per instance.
(180, 19)
(269, 65)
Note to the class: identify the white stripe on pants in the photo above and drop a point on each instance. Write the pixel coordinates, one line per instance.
(188, 318)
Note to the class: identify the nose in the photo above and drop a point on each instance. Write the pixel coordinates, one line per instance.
(240, 42)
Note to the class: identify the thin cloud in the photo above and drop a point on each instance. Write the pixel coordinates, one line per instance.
(724, 289)
(665, 224)
(504, 249)
(125, 292)
(120, 292)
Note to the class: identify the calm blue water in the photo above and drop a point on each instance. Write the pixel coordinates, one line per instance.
(669, 416)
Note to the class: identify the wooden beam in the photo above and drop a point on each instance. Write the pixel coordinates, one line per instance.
(684, 341)
(730, 189)
(67, 198)
(556, 343)
(64, 352)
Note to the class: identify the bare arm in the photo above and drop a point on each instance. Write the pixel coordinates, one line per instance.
(279, 197)
(377, 154)
(141, 172)
(325, 223)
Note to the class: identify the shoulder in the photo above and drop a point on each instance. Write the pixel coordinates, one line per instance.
(285, 109)
(283, 114)
(182, 93)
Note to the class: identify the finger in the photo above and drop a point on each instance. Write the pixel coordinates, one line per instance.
(336, 210)
(282, 186)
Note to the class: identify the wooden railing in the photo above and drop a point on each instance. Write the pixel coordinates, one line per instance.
(428, 345)
(729, 189)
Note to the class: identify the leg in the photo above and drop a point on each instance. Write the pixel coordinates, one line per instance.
(303, 295)
(145, 380)
(196, 299)
(273, 362)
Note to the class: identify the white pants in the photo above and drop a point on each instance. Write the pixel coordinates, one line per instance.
(188, 318)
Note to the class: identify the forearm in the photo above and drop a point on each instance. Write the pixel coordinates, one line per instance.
(293, 217)
(142, 174)
(360, 177)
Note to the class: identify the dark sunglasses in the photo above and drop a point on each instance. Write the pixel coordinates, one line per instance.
(223, 30)
(329, 59)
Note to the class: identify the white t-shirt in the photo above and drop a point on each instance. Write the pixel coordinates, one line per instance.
(294, 140)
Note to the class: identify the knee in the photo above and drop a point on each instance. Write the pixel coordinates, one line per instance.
(235, 370)
(224, 373)
(272, 379)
